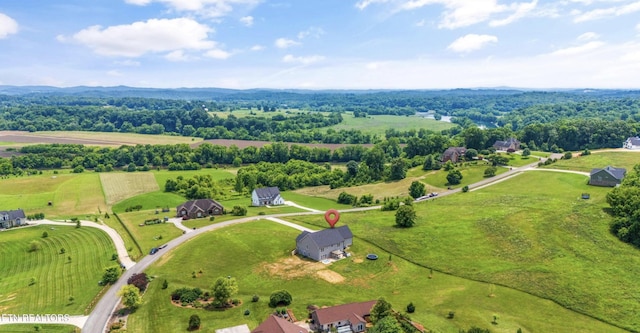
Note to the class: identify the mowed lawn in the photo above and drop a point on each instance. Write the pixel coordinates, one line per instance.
(532, 232)
(56, 278)
(258, 255)
(618, 159)
(149, 236)
(70, 194)
(118, 186)
(43, 328)
(380, 123)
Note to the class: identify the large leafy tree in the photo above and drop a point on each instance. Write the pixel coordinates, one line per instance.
(388, 324)
(130, 296)
(454, 177)
(380, 310)
(223, 289)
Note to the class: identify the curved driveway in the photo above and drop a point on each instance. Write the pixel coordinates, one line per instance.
(99, 317)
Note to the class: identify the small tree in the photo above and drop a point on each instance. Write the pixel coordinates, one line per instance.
(77, 223)
(417, 189)
(63, 250)
(526, 152)
(130, 296)
(223, 289)
(239, 211)
(139, 280)
(567, 155)
(454, 177)
(114, 256)
(34, 245)
(381, 309)
(465, 189)
(490, 171)
(281, 297)
(411, 308)
(45, 234)
(165, 284)
(111, 274)
(194, 323)
(71, 299)
(387, 324)
(405, 216)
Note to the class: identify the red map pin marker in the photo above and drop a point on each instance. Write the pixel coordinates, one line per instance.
(332, 216)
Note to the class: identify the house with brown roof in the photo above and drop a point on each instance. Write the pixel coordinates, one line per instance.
(275, 324)
(608, 176)
(324, 244)
(345, 318)
(199, 208)
(511, 144)
(453, 154)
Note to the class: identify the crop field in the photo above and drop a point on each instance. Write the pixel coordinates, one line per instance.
(532, 232)
(70, 194)
(113, 139)
(42, 281)
(379, 124)
(118, 186)
(349, 280)
(618, 159)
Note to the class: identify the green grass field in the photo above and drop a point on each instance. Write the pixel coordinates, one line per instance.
(43, 328)
(471, 173)
(148, 236)
(56, 278)
(318, 203)
(272, 268)
(379, 124)
(216, 174)
(70, 194)
(152, 201)
(532, 232)
(618, 159)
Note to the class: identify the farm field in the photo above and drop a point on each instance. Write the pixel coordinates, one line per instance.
(216, 174)
(70, 194)
(378, 124)
(618, 159)
(353, 279)
(118, 186)
(532, 232)
(112, 139)
(55, 277)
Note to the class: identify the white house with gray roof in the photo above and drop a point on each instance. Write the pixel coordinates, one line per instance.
(266, 196)
(324, 244)
(632, 143)
(12, 218)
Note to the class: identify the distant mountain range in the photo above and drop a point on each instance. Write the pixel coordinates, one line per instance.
(259, 93)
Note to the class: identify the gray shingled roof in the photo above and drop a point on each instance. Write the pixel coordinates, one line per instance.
(327, 237)
(200, 204)
(267, 193)
(617, 173)
(14, 214)
(635, 140)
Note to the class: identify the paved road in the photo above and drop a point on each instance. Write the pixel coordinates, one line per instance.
(99, 317)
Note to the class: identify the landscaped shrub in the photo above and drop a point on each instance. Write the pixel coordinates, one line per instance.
(139, 280)
(411, 308)
(465, 189)
(281, 297)
(346, 198)
(239, 211)
(247, 312)
(255, 298)
(186, 295)
(194, 323)
(111, 275)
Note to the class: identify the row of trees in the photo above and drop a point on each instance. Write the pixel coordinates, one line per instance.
(625, 206)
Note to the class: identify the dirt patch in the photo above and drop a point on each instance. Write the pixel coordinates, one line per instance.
(357, 260)
(295, 267)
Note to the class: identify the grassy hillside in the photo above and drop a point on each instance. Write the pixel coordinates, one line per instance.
(532, 232)
(257, 254)
(618, 159)
(56, 278)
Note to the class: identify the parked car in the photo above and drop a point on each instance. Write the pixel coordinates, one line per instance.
(154, 250)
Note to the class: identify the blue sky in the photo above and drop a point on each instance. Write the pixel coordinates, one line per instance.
(320, 44)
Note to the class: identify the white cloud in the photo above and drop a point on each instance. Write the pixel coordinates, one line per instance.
(302, 60)
(127, 62)
(577, 50)
(247, 20)
(520, 10)
(283, 43)
(8, 26)
(421, 23)
(177, 55)
(311, 32)
(638, 27)
(218, 54)
(588, 36)
(257, 48)
(471, 42)
(362, 4)
(614, 11)
(138, 38)
(207, 8)
(114, 73)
